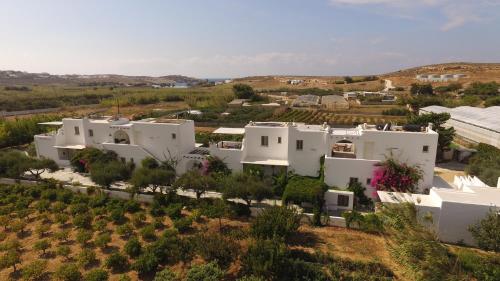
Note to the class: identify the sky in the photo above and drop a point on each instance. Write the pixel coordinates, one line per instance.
(235, 38)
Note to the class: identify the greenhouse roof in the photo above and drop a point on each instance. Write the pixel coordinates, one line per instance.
(486, 118)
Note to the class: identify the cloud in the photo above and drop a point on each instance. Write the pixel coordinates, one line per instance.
(452, 13)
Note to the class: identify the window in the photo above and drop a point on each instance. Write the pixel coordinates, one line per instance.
(368, 181)
(264, 141)
(279, 139)
(343, 200)
(352, 180)
(300, 144)
(91, 133)
(174, 136)
(425, 148)
(77, 130)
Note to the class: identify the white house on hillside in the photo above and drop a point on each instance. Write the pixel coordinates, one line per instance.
(161, 139)
(349, 154)
(452, 210)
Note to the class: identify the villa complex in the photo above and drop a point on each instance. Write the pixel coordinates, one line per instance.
(349, 154)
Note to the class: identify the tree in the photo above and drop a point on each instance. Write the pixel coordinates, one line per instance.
(96, 275)
(83, 236)
(205, 272)
(487, 232)
(38, 166)
(360, 199)
(194, 181)
(275, 222)
(86, 257)
(243, 91)
(165, 275)
(485, 164)
(10, 258)
(34, 270)
(266, 258)
(147, 262)
(152, 177)
(68, 272)
(348, 79)
(216, 210)
(438, 120)
(42, 245)
(116, 261)
(12, 163)
(102, 240)
(105, 173)
(246, 187)
(133, 247)
(391, 175)
(421, 89)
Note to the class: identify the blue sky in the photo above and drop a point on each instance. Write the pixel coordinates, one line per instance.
(231, 38)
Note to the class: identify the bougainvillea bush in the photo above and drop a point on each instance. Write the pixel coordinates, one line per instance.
(391, 175)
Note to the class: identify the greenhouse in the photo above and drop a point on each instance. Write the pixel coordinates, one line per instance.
(473, 124)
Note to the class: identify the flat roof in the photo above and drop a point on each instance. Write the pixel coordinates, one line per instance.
(229, 131)
(71, 146)
(265, 161)
(52, 123)
(486, 196)
(400, 197)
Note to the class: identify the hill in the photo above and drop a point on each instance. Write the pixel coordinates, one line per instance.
(21, 78)
(483, 72)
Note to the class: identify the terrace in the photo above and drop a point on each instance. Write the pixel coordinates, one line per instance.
(343, 149)
(229, 145)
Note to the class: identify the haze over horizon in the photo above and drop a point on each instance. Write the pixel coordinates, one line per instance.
(234, 38)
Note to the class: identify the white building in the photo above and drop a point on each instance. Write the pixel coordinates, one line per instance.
(473, 124)
(350, 154)
(452, 210)
(161, 139)
(439, 77)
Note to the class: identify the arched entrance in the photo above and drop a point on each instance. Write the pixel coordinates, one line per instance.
(121, 137)
(343, 149)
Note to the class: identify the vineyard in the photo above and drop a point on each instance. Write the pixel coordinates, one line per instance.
(319, 117)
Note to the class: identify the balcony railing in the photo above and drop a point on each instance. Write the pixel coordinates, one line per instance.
(229, 145)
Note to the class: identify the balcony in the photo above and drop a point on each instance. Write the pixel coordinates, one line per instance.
(343, 150)
(229, 145)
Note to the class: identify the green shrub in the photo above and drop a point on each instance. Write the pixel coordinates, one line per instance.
(83, 221)
(84, 236)
(215, 247)
(174, 211)
(34, 270)
(183, 224)
(42, 245)
(102, 240)
(117, 262)
(63, 251)
(275, 222)
(205, 272)
(265, 258)
(86, 258)
(147, 262)
(165, 275)
(481, 267)
(125, 230)
(68, 272)
(148, 232)
(96, 275)
(487, 232)
(133, 247)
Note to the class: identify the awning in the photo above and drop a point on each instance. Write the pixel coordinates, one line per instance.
(71, 146)
(264, 161)
(52, 123)
(229, 131)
